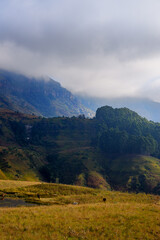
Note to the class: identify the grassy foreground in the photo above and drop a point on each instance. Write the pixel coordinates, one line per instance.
(123, 216)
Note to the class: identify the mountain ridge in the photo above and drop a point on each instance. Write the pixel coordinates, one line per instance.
(143, 106)
(38, 96)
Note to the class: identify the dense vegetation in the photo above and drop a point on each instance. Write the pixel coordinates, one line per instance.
(117, 149)
(123, 131)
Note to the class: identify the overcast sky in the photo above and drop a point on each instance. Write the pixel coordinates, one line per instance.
(107, 48)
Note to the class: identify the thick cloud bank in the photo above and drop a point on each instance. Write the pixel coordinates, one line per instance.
(106, 48)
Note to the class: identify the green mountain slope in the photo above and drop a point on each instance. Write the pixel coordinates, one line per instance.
(134, 172)
(118, 149)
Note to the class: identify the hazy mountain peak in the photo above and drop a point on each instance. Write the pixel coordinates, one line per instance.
(41, 96)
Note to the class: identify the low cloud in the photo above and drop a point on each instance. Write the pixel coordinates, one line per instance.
(101, 48)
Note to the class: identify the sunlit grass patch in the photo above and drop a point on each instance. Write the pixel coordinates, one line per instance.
(87, 221)
(4, 184)
(80, 213)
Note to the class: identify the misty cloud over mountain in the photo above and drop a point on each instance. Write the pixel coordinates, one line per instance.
(103, 48)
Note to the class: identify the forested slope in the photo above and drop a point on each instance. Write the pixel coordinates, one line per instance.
(116, 149)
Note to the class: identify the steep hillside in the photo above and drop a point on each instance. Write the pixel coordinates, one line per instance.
(42, 97)
(117, 149)
(136, 173)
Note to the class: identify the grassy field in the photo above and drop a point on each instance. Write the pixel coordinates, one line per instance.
(79, 213)
(5, 184)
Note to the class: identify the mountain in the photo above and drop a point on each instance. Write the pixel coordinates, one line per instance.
(42, 97)
(117, 149)
(46, 97)
(143, 106)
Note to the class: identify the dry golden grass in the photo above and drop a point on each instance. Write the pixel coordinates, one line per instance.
(4, 184)
(119, 221)
(123, 216)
